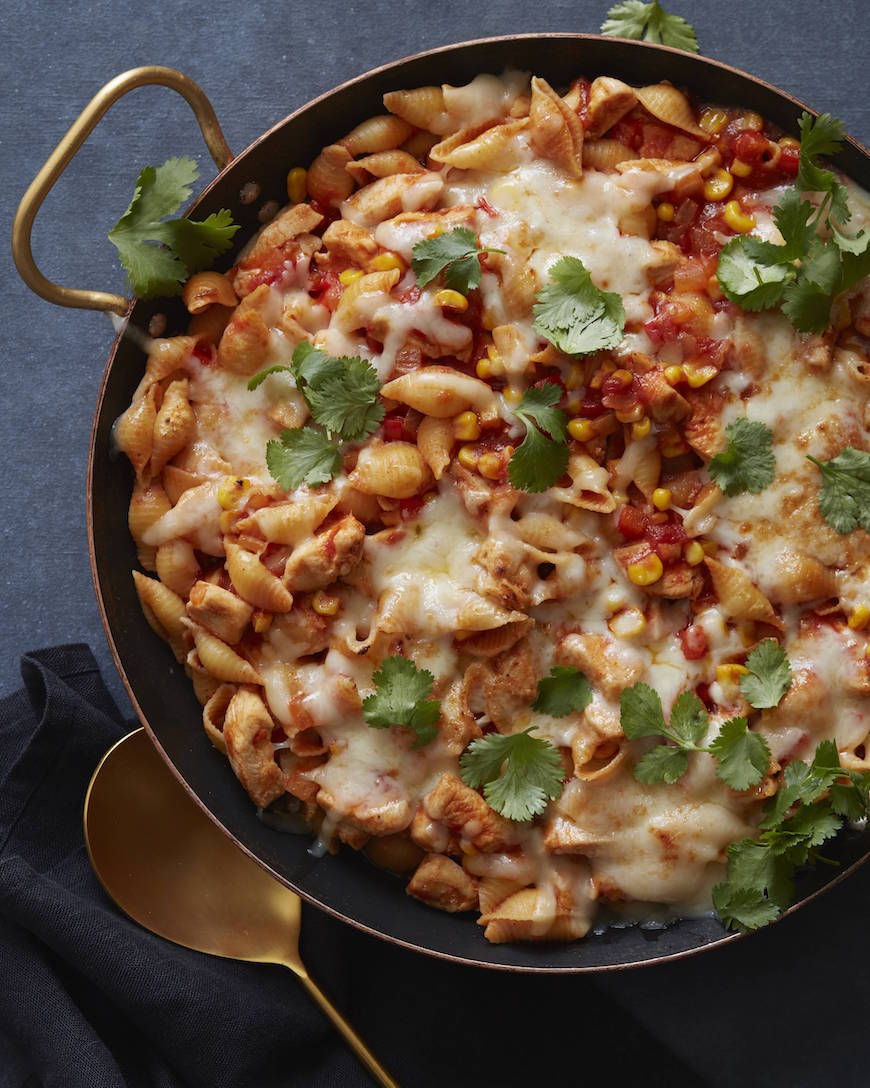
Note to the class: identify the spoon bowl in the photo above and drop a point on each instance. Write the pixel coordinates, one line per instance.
(169, 868)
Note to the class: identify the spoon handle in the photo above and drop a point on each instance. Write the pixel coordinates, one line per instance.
(350, 1036)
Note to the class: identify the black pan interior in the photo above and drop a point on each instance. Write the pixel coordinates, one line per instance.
(347, 884)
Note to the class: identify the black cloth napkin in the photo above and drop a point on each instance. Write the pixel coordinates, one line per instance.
(90, 1000)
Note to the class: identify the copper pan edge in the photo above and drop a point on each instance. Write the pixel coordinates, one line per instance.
(396, 66)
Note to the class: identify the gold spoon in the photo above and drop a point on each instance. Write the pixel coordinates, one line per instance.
(171, 870)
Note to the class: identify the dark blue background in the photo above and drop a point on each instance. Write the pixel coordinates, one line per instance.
(257, 63)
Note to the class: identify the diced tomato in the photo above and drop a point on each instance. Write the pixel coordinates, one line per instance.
(485, 206)
(751, 147)
(628, 132)
(631, 522)
(789, 160)
(694, 641)
(672, 532)
(703, 693)
(411, 296)
(393, 428)
(661, 329)
(590, 408)
(326, 287)
(410, 508)
(583, 86)
(205, 352)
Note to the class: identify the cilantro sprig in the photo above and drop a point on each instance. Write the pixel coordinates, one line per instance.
(401, 697)
(808, 809)
(650, 22)
(747, 463)
(769, 676)
(159, 253)
(542, 456)
(742, 757)
(844, 502)
(519, 773)
(343, 395)
(808, 271)
(574, 315)
(565, 691)
(454, 255)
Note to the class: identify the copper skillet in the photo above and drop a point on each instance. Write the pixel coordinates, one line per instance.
(347, 886)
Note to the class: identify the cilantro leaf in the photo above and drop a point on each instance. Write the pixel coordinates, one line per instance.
(262, 375)
(635, 19)
(663, 763)
(302, 456)
(769, 676)
(750, 274)
(159, 255)
(455, 254)
(346, 402)
(743, 908)
(822, 136)
(574, 315)
(855, 257)
(844, 502)
(401, 697)
(742, 757)
(564, 691)
(309, 364)
(792, 217)
(747, 464)
(689, 720)
(532, 772)
(541, 458)
(807, 300)
(640, 710)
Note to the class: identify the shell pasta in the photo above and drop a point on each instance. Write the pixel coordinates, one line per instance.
(472, 446)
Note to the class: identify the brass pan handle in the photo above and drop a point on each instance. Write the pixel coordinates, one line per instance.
(59, 159)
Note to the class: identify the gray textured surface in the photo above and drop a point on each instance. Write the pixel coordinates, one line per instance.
(257, 63)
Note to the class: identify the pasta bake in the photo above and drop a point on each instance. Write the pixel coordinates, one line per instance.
(507, 501)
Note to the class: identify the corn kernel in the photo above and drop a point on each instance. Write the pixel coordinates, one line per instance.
(489, 465)
(697, 376)
(628, 624)
(581, 429)
(858, 617)
(297, 184)
(737, 219)
(624, 377)
(466, 427)
(641, 429)
(576, 378)
(324, 604)
(614, 598)
(740, 169)
(730, 673)
(713, 288)
(483, 369)
(661, 498)
(512, 396)
(693, 553)
(261, 621)
(495, 360)
(751, 120)
(665, 211)
(646, 571)
(632, 415)
(713, 121)
(790, 141)
(574, 406)
(227, 521)
(386, 262)
(232, 488)
(468, 457)
(672, 444)
(451, 300)
(674, 375)
(718, 186)
(348, 276)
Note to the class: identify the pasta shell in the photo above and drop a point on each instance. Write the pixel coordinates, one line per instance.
(164, 611)
(148, 503)
(289, 522)
(222, 613)
(214, 712)
(381, 133)
(360, 300)
(178, 480)
(328, 181)
(244, 346)
(349, 242)
(209, 325)
(800, 578)
(739, 596)
(222, 661)
(277, 236)
(164, 358)
(174, 427)
(609, 101)
(671, 106)
(422, 107)
(177, 566)
(529, 915)
(604, 761)
(420, 144)
(556, 131)
(440, 391)
(435, 442)
(395, 470)
(604, 155)
(388, 196)
(492, 643)
(442, 883)
(247, 734)
(589, 485)
(255, 583)
(493, 890)
(496, 148)
(205, 289)
(383, 164)
(204, 684)
(134, 431)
